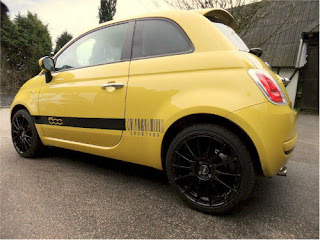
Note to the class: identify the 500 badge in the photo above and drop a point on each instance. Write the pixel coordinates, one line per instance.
(55, 121)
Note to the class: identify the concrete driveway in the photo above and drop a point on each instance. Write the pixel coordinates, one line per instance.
(73, 195)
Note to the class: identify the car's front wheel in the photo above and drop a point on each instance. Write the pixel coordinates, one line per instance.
(24, 135)
(210, 167)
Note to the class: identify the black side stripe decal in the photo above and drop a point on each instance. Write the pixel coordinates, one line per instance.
(99, 123)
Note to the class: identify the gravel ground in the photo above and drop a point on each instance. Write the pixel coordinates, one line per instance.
(67, 194)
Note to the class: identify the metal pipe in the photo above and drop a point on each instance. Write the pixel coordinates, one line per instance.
(283, 171)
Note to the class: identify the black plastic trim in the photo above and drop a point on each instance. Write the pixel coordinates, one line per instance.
(126, 50)
(289, 151)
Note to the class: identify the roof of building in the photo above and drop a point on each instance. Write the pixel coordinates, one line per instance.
(279, 32)
(4, 9)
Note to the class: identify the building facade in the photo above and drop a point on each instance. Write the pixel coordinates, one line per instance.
(288, 33)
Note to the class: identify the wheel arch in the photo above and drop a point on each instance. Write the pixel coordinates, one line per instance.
(16, 108)
(192, 119)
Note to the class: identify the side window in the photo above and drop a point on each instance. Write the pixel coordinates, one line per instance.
(159, 37)
(102, 46)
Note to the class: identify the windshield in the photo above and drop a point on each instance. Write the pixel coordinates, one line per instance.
(232, 36)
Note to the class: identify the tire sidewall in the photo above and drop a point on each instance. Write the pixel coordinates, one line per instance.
(35, 143)
(247, 169)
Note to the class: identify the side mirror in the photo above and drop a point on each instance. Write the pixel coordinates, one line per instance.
(256, 51)
(47, 65)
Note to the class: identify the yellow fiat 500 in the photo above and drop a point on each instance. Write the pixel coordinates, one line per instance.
(177, 91)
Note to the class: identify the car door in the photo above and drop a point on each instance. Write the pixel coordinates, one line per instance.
(85, 101)
(160, 67)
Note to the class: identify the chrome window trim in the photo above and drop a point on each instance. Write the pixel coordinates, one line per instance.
(89, 66)
(175, 24)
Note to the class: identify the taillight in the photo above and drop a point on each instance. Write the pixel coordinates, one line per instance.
(268, 86)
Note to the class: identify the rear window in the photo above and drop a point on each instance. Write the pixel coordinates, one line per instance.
(232, 36)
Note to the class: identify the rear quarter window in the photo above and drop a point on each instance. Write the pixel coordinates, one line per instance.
(159, 37)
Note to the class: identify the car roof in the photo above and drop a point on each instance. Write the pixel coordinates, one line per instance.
(185, 18)
(219, 14)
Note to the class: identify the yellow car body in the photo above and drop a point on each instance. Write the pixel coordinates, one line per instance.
(161, 95)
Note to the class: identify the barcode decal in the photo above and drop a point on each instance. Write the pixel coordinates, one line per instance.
(144, 125)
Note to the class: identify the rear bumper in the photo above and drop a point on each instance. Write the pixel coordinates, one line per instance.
(288, 146)
(273, 130)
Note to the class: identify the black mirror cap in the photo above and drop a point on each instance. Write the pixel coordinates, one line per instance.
(46, 64)
(256, 51)
(48, 76)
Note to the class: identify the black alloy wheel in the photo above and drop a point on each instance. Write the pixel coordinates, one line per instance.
(24, 135)
(210, 168)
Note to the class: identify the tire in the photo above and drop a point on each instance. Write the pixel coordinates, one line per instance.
(24, 135)
(210, 168)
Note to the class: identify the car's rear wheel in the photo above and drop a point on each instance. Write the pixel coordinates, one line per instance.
(210, 168)
(24, 135)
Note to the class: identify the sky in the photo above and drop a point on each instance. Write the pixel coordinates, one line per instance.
(76, 16)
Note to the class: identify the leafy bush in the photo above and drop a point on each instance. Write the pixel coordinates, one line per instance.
(62, 40)
(23, 41)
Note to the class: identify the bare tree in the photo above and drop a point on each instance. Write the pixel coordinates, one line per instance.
(239, 8)
(198, 4)
(246, 12)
